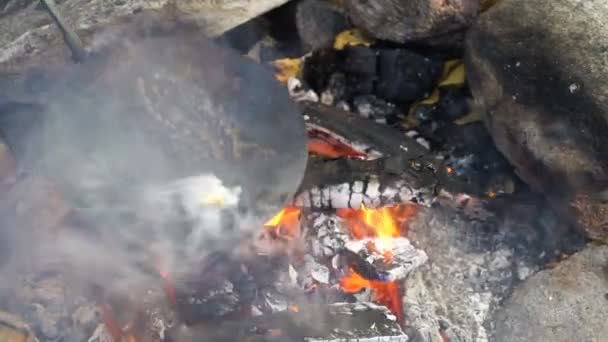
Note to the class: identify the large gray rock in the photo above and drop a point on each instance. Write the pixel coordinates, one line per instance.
(27, 35)
(539, 70)
(567, 303)
(401, 21)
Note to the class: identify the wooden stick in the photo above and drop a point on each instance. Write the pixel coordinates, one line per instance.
(70, 37)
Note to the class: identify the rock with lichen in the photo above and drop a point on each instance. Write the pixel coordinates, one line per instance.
(538, 69)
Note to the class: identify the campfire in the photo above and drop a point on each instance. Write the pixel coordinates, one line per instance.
(302, 170)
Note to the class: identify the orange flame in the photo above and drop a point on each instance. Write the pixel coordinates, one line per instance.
(384, 224)
(286, 222)
(328, 146)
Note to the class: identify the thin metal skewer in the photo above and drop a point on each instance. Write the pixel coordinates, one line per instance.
(70, 37)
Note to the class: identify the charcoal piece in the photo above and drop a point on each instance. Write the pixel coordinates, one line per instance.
(369, 106)
(319, 67)
(206, 302)
(452, 103)
(360, 84)
(359, 60)
(352, 260)
(405, 76)
(219, 288)
(336, 90)
(318, 22)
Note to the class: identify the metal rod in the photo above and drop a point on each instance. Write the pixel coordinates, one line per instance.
(70, 37)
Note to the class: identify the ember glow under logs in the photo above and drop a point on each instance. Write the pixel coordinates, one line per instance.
(376, 255)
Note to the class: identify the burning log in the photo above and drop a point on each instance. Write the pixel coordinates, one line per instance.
(394, 260)
(401, 172)
(349, 183)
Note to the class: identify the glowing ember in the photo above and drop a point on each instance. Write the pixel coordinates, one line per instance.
(286, 222)
(387, 294)
(332, 149)
(382, 224)
(169, 289)
(325, 145)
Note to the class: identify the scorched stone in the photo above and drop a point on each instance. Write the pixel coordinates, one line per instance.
(538, 70)
(405, 76)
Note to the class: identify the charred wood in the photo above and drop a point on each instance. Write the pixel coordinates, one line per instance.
(398, 169)
(389, 141)
(348, 183)
(312, 322)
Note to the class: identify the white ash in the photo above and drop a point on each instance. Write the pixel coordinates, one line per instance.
(472, 268)
(372, 107)
(159, 314)
(299, 93)
(343, 105)
(405, 257)
(327, 234)
(371, 154)
(320, 273)
(275, 301)
(354, 195)
(414, 134)
(312, 272)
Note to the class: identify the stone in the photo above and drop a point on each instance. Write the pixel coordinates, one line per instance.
(28, 34)
(404, 21)
(538, 71)
(405, 76)
(566, 303)
(318, 22)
